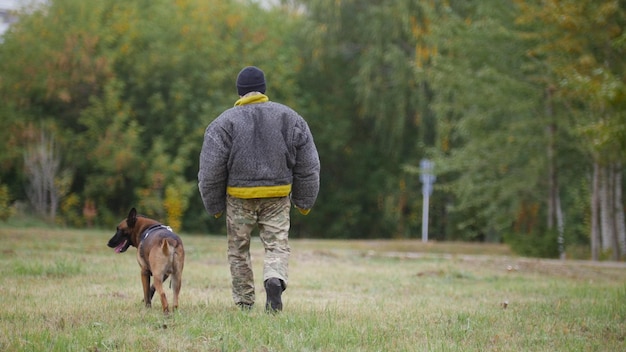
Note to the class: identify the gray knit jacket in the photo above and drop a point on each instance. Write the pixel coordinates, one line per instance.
(258, 145)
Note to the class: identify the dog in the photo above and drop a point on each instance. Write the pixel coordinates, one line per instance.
(160, 254)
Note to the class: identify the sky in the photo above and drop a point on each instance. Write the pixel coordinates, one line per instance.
(8, 4)
(12, 5)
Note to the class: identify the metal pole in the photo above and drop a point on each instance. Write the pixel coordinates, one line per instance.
(425, 217)
(427, 178)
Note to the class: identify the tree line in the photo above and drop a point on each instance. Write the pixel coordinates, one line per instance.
(520, 104)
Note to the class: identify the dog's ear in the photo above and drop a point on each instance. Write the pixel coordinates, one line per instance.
(132, 218)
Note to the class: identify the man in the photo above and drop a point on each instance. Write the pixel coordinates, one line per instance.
(257, 158)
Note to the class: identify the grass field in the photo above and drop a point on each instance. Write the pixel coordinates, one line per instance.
(65, 290)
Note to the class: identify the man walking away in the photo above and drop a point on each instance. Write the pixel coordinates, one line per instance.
(258, 158)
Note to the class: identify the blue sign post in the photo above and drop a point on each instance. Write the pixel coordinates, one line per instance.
(427, 178)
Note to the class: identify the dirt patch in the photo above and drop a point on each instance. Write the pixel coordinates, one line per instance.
(573, 269)
(578, 270)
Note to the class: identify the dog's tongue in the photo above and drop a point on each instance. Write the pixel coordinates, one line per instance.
(119, 248)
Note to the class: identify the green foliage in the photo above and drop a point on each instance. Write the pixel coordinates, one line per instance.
(490, 147)
(130, 99)
(582, 44)
(5, 203)
(72, 211)
(535, 244)
(129, 87)
(367, 109)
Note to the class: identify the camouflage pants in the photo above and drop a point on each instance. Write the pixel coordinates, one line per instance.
(271, 215)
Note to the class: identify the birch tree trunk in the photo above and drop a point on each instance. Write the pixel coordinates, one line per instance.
(607, 212)
(555, 213)
(41, 168)
(606, 208)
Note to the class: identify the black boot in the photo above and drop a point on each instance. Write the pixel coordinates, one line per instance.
(274, 289)
(244, 306)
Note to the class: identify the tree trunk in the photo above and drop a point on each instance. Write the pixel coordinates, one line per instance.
(595, 213)
(615, 245)
(606, 207)
(555, 213)
(552, 178)
(608, 186)
(560, 225)
(42, 164)
(619, 210)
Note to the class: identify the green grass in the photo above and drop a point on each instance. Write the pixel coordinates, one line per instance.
(65, 290)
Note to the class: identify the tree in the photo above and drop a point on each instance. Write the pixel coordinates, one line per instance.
(46, 184)
(128, 99)
(361, 57)
(519, 103)
(582, 43)
(490, 145)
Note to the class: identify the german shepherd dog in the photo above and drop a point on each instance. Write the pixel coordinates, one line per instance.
(160, 254)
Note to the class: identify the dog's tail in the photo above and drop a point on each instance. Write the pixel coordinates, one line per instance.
(166, 248)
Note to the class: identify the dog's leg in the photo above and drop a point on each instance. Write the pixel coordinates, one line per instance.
(153, 290)
(176, 283)
(158, 285)
(162, 262)
(177, 273)
(145, 282)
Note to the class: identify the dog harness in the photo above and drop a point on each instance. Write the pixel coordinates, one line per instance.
(153, 228)
(149, 231)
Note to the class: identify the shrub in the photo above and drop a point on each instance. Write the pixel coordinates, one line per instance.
(6, 211)
(534, 244)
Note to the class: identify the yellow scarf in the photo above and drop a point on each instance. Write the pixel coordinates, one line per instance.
(252, 99)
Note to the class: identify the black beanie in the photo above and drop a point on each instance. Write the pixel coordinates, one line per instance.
(250, 79)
